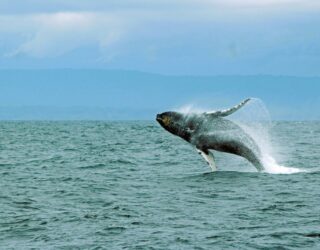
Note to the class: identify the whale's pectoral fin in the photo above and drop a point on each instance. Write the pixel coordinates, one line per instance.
(228, 111)
(208, 156)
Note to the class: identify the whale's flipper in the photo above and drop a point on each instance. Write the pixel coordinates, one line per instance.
(227, 111)
(208, 156)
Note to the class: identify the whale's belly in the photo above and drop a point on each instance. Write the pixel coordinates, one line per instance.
(229, 138)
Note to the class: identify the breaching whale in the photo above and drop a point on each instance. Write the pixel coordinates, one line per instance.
(211, 131)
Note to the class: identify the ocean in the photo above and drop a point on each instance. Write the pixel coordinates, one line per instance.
(132, 185)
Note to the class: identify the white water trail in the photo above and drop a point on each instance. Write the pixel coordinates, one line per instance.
(255, 120)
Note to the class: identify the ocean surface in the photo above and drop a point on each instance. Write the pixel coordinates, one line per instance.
(132, 185)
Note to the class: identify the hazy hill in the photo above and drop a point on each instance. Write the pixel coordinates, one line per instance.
(112, 95)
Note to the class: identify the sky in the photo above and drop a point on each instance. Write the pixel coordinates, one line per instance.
(176, 37)
(128, 59)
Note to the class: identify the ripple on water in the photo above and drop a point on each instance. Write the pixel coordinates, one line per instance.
(82, 185)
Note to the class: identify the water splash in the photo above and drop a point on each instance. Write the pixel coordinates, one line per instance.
(255, 119)
(190, 109)
(272, 167)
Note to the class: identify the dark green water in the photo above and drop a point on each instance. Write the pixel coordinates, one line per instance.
(131, 185)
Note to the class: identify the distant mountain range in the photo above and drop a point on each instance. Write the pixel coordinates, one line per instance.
(72, 113)
(68, 94)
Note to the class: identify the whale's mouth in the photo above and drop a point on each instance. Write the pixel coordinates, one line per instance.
(164, 120)
(158, 118)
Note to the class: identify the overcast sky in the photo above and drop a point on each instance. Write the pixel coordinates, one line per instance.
(198, 37)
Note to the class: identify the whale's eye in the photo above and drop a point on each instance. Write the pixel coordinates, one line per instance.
(166, 121)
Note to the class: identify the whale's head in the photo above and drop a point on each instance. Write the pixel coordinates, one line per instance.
(176, 123)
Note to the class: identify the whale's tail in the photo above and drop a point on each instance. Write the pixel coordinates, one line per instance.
(223, 113)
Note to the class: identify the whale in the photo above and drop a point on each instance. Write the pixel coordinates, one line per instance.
(212, 131)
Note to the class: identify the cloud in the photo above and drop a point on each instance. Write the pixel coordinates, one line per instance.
(212, 36)
(289, 4)
(52, 30)
(53, 34)
(38, 6)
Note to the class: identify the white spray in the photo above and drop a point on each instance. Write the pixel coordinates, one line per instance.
(255, 120)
